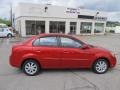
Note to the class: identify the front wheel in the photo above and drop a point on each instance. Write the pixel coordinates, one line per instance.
(9, 35)
(31, 67)
(100, 66)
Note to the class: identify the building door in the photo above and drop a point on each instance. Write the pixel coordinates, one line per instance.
(73, 27)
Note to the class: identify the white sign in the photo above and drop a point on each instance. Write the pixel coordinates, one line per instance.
(73, 10)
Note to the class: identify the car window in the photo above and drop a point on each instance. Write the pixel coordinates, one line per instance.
(68, 42)
(36, 42)
(1, 30)
(46, 41)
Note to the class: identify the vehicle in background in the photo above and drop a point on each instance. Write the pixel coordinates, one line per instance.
(59, 51)
(5, 32)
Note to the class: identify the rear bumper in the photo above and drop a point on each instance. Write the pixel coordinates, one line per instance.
(13, 62)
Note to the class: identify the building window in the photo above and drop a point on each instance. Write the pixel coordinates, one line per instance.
(85, 17)
(99, 27)
(35, 27)
(73, 27)
(57, 27)
(86, 27)
(40, 27)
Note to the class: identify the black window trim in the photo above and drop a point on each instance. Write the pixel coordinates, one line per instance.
(45, 45)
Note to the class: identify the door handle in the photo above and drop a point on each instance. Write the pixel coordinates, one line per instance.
(38, 51)
(66, 52)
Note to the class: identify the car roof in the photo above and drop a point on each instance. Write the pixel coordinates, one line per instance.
(55, 34)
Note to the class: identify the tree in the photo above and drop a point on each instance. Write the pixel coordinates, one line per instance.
(5, 21)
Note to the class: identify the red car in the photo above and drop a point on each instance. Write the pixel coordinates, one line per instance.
(58, 51)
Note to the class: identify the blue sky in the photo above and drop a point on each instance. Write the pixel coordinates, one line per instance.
(111, 6)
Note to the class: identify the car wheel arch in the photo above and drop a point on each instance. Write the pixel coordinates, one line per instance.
(101, 58)
(23, 61)
(9, 34)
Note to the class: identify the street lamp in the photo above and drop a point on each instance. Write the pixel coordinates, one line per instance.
(96, 15)
(46, 9)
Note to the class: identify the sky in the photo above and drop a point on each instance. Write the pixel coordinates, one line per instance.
(110, 6)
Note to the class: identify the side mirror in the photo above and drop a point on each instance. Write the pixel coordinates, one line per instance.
(85, 46)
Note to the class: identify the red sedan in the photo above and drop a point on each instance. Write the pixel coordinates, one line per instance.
(58, 51)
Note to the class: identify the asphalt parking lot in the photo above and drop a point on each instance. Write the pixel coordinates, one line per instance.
(13, 79)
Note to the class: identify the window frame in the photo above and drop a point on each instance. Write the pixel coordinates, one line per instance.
(60, 43)
(45, 45)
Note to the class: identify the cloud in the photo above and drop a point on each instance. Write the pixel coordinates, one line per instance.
(111, 6)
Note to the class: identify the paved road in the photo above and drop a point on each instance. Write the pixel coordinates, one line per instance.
(13, 79)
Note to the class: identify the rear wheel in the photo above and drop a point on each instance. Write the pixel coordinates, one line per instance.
(100, 66)
(31, 67)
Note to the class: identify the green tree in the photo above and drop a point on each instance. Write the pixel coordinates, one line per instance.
(5, 21)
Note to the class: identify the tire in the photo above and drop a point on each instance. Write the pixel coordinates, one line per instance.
(9, 35)
(31, 67)
(100, 66)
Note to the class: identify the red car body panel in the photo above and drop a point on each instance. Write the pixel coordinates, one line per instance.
(58, 57)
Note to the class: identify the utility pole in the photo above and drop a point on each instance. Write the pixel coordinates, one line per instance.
(11, 18)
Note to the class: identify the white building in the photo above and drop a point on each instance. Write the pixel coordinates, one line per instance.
(32, 19)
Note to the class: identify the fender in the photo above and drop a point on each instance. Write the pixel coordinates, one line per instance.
(27, 56)
(102, 55)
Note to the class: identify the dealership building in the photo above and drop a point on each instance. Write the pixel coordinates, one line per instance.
(32, 19)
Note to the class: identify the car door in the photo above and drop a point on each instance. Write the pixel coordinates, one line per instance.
(48, 51)
(0, 32)
(73, 56)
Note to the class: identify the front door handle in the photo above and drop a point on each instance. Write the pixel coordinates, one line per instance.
(38, 51)
(66, 52)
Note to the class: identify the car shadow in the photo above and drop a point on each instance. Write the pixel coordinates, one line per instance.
(65, 70)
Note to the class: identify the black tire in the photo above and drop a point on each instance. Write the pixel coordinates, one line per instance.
(33, 70)
(100, 69)
(9, 35)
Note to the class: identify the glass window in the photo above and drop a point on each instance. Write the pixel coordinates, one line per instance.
(67, 42)
(99, 27)
(36, 42)
(48, 41)
(30, 28)
(40, 27)
(35, 27)
(1, 30)
(86, 27)
(57, 27)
